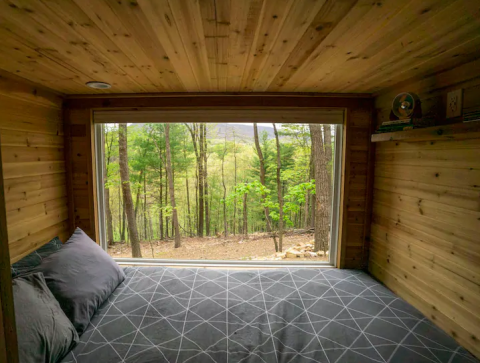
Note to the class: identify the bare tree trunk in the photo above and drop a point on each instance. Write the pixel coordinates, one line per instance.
(205, 180)
(108, 210)
(139, 188)
(312, 196)
(262, 180)
(321, 197)
(124, 220)
(245, 215)
(279, 191)
(160, 217)
(171, 187)
(328, 156)
(127, 194)
(198, 139)
(225, 225)
(189, 215)
(145, 205)
(235, 183)
(167, 219)
(201, 192)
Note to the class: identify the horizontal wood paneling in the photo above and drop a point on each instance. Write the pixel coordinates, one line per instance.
(426, 214)
(33, 161)
(358, 154)
(153, 46)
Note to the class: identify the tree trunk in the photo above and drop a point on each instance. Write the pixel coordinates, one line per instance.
(171, 187)
(160, 217)
(235, 183)
(127, 194)
(279, 192)
(262, 180)
(312, 196)
(124, 220)
(139, 188)
(201, 199)
(194, 132)
(225, 225)
(328, 156)
(189, 215)
(321, 196)
(108, 210)
(167, 219)
(145, 206)
(245, 215)
(205, 180)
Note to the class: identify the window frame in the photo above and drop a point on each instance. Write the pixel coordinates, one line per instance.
(335, 225)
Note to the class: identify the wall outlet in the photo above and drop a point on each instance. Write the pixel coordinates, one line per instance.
(454, 103)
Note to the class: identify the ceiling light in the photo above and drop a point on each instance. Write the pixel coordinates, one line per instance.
(98, 85)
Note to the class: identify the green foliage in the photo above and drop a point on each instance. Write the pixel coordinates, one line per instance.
(146, 159)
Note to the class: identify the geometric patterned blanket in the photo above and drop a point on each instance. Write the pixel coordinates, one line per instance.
(293, 315)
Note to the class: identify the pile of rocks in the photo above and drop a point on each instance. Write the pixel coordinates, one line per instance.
(300, 250)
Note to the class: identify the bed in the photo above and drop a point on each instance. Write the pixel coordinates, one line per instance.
(199, 315)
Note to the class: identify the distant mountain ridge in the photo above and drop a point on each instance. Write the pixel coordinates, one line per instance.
(242, 132)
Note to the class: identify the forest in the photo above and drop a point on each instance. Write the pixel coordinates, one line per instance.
(168, 183)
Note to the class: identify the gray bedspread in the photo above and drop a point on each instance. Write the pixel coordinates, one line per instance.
(287, 315)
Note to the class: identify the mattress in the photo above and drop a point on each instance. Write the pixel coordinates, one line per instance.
(285, 315)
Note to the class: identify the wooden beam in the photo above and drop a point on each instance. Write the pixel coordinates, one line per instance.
(220, 100)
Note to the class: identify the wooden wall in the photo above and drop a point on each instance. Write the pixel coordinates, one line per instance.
(425, 242)
(358, 155)
(33, 159)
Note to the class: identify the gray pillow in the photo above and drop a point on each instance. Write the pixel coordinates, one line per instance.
(44, 332)
(81, 276)
(32, 260)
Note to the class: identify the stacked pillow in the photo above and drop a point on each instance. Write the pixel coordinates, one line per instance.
(78, 276)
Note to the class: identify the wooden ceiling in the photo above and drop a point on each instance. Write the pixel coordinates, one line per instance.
(234, 45)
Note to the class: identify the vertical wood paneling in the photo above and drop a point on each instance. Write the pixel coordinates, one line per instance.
(426, 213)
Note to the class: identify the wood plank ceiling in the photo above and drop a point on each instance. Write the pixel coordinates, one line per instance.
(234, 45)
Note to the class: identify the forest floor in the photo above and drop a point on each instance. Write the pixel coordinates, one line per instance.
(257, 247)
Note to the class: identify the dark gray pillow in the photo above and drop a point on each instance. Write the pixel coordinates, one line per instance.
(32, 260)
(81, 276)
(44, 332)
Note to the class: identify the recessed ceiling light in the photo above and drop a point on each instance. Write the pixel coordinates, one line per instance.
(98, 85)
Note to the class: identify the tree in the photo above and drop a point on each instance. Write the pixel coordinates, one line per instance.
(322, 205)
(205, 180)
(171, 187)
(198, 148)
(127, 194)
(279, 191)
(262, 180)
(225, 225)
(108, 210)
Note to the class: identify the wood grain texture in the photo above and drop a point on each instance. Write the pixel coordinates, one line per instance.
(33, 162)
(357, 176)
(426, 211)
(8, 334)
(143, 46)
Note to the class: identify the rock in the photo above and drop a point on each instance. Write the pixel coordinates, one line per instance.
(292, 253)
(311, 254)
(280, 254)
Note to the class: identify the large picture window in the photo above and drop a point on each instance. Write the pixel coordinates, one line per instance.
(218, 192)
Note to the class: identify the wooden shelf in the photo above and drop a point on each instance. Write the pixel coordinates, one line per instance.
(459, 131)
